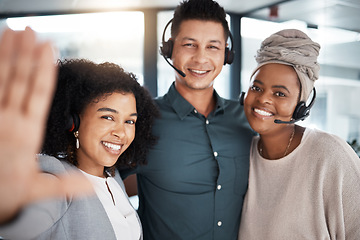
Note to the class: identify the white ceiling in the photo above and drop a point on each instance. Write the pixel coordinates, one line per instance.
(336, 13)
(343, 14)
(24, 6)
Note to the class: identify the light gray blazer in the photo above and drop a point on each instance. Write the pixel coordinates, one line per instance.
(77, 219)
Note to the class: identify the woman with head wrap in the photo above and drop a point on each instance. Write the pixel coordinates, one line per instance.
(303, 183)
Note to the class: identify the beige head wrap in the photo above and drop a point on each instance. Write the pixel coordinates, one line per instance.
(292, 47)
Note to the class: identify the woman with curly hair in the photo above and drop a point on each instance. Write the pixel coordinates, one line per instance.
(100, 120)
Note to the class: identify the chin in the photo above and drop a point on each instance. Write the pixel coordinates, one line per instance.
(259, 128)
(110, 163)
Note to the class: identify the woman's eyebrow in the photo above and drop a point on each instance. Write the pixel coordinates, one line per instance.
(282, 87)
(105, 109)
(258, 81)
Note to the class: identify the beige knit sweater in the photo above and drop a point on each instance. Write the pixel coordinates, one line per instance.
(312, 193)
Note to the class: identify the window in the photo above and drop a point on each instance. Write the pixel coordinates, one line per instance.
(116, 37)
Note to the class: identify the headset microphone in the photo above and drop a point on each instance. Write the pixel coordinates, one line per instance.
(289, 122)
(179, 71)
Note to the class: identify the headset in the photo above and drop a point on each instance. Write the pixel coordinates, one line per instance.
(300, 113)
(72, 123)
(167, 48)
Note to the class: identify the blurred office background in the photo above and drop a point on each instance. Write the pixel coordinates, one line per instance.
(128, 32)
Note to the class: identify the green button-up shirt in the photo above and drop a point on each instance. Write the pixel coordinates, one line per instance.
(196, 177)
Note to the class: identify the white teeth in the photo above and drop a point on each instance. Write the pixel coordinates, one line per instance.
(262, 112)
(112, 146)
(198, 71)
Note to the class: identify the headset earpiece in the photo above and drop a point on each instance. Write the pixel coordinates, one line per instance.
(241, 98)
(73, 123)
(229, 53)
(167, 48)
(301, 110)
(229, 56)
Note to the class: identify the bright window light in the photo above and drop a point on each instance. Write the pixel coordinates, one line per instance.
(260, 29)
(328, 35)
(87, 22)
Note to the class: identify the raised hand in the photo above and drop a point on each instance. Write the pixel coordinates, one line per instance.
(27, 81)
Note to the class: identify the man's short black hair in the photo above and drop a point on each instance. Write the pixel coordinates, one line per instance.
(206, 10)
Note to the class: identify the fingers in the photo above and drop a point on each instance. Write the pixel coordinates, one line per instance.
(6, 50)
(27, 80)
(40, 93)
(20, 69)
(27, 73)
(44, 79)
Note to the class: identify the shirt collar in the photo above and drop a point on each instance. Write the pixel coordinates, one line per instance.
(183, 108)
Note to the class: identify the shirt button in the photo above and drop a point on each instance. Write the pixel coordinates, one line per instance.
(216, 154)
(219, 223)
(218, 187)
(195, 111)
(207, 121)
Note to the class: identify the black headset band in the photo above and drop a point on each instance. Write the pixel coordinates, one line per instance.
(312, 99)
(167, 25)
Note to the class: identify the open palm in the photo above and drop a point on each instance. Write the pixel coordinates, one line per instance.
(27, 81)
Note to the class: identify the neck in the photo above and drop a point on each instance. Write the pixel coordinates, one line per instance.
(98, 172)
(203, 100)
(278, 145)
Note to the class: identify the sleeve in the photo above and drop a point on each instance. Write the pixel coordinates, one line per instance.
(342, 195)
(127, 171)
(40, 216)
(351, 195)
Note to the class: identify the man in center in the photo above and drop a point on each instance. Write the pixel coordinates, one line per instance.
(197, 174)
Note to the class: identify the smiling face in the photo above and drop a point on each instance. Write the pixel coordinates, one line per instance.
(273, 94)
(199, 51)
(107, 128)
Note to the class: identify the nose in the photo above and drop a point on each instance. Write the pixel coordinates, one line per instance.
(119, 131)
(200, 55)
(265, 98)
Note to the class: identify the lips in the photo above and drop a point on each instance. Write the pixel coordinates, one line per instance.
(262, 112)
(112, 146)
(199, 72)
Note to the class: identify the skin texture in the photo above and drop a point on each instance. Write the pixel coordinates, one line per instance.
(199, 50)
(27, 80)
(114, 119)
(273, 94)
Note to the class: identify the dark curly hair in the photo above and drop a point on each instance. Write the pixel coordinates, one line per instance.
(81, 82)
(206, 10)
